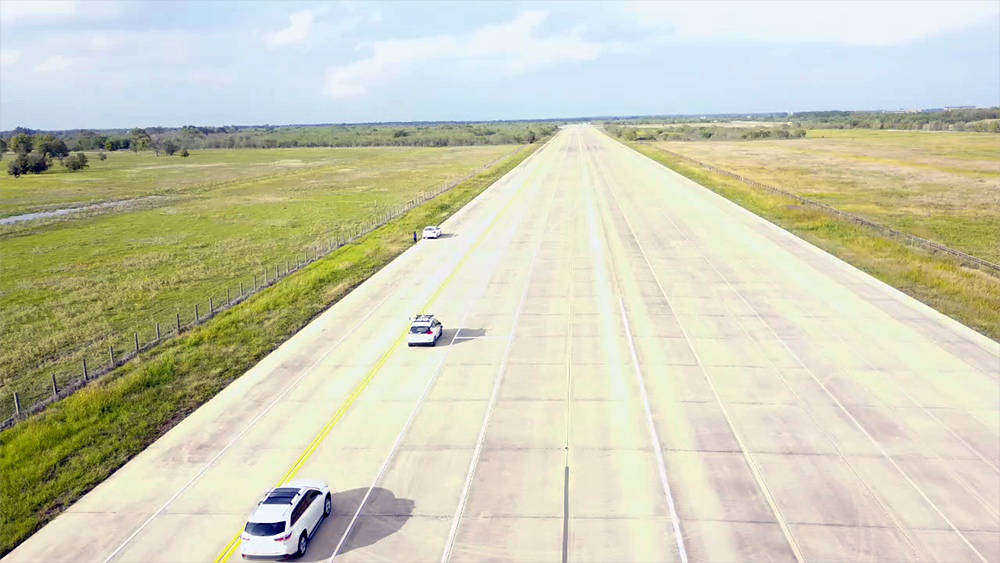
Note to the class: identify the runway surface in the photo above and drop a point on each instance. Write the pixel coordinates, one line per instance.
(634, 369)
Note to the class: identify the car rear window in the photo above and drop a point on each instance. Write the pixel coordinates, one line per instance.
(419, 329)
(265, 528)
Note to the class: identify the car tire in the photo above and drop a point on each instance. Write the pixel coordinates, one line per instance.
(303, 545)
(328, 506)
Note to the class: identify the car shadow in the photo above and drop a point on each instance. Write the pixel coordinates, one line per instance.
(447, 235)
(384, 514)
(464, 335)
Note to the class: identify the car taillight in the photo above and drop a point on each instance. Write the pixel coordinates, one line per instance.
(429, 331)
(284, 537)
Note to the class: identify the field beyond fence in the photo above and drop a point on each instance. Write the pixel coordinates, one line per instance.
(75, 363)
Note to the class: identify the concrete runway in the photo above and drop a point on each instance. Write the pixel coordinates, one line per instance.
(634, 369)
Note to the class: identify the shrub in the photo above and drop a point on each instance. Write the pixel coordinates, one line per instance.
(76, 162)
(30, 163)
(184, 152)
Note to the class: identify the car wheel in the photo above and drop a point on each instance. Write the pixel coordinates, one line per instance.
(328, 506)
(303, 545)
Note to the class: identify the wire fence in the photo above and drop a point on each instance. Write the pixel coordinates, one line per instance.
(966, 259)
(103, 355)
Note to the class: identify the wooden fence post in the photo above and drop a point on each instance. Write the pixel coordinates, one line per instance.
(197, 315)
(86, 375)
(211, 305)
(111, 355)
(55, 390)
(229, 296)
(158, 331)
(178, 323)
(241, 288)
(136, 336)
(17, 405)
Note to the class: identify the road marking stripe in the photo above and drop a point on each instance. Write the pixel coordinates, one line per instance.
(230, 549)
(836, 400)
(494, 394)
(747, 456)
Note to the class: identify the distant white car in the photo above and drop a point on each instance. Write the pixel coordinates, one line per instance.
(425, 330)
(286, 519)
(432, 232)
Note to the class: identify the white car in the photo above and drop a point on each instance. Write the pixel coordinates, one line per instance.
(425, 330)
(285, 519)
(432, 232)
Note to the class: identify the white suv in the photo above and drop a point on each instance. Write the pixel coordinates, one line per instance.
(424, 330)
(432, 232)
(285, 519)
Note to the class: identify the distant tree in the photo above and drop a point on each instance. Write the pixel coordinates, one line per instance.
(184, 152)
(102, 155)
(531, 138)
(20, 143)
(140, 139)
(169, 147)
(50, 145)
(109, 145)
(76, 162)
(3, 145)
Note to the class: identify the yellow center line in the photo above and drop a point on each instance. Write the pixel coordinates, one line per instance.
(230, 549)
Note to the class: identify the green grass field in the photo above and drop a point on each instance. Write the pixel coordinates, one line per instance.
(883, 176)
(68, 285)
(942, 186)
(53, 458)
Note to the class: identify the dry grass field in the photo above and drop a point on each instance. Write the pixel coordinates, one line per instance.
(943, 186)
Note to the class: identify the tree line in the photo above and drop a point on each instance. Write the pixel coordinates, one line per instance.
(180, 139)
(702, 133)
(986, 120)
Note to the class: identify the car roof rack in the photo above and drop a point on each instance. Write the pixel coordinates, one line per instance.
(423, 317)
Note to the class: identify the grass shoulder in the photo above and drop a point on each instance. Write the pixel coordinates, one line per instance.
(968, 295)
(52, 459)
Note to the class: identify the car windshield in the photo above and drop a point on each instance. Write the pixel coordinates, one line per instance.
(419, 329)
(265, 528)
(430, 229)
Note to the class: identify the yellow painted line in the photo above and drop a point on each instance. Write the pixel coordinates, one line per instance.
(230, 549)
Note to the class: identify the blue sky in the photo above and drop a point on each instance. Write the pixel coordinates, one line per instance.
(68, 64)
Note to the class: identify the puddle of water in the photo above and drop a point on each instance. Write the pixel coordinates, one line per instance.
(44, 214)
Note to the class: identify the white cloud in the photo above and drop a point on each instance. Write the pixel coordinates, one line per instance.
(854, 23)
(514, 47)
(55, 63)
(214, 78)
(9, 56)
(19, 10)
(298, 30)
